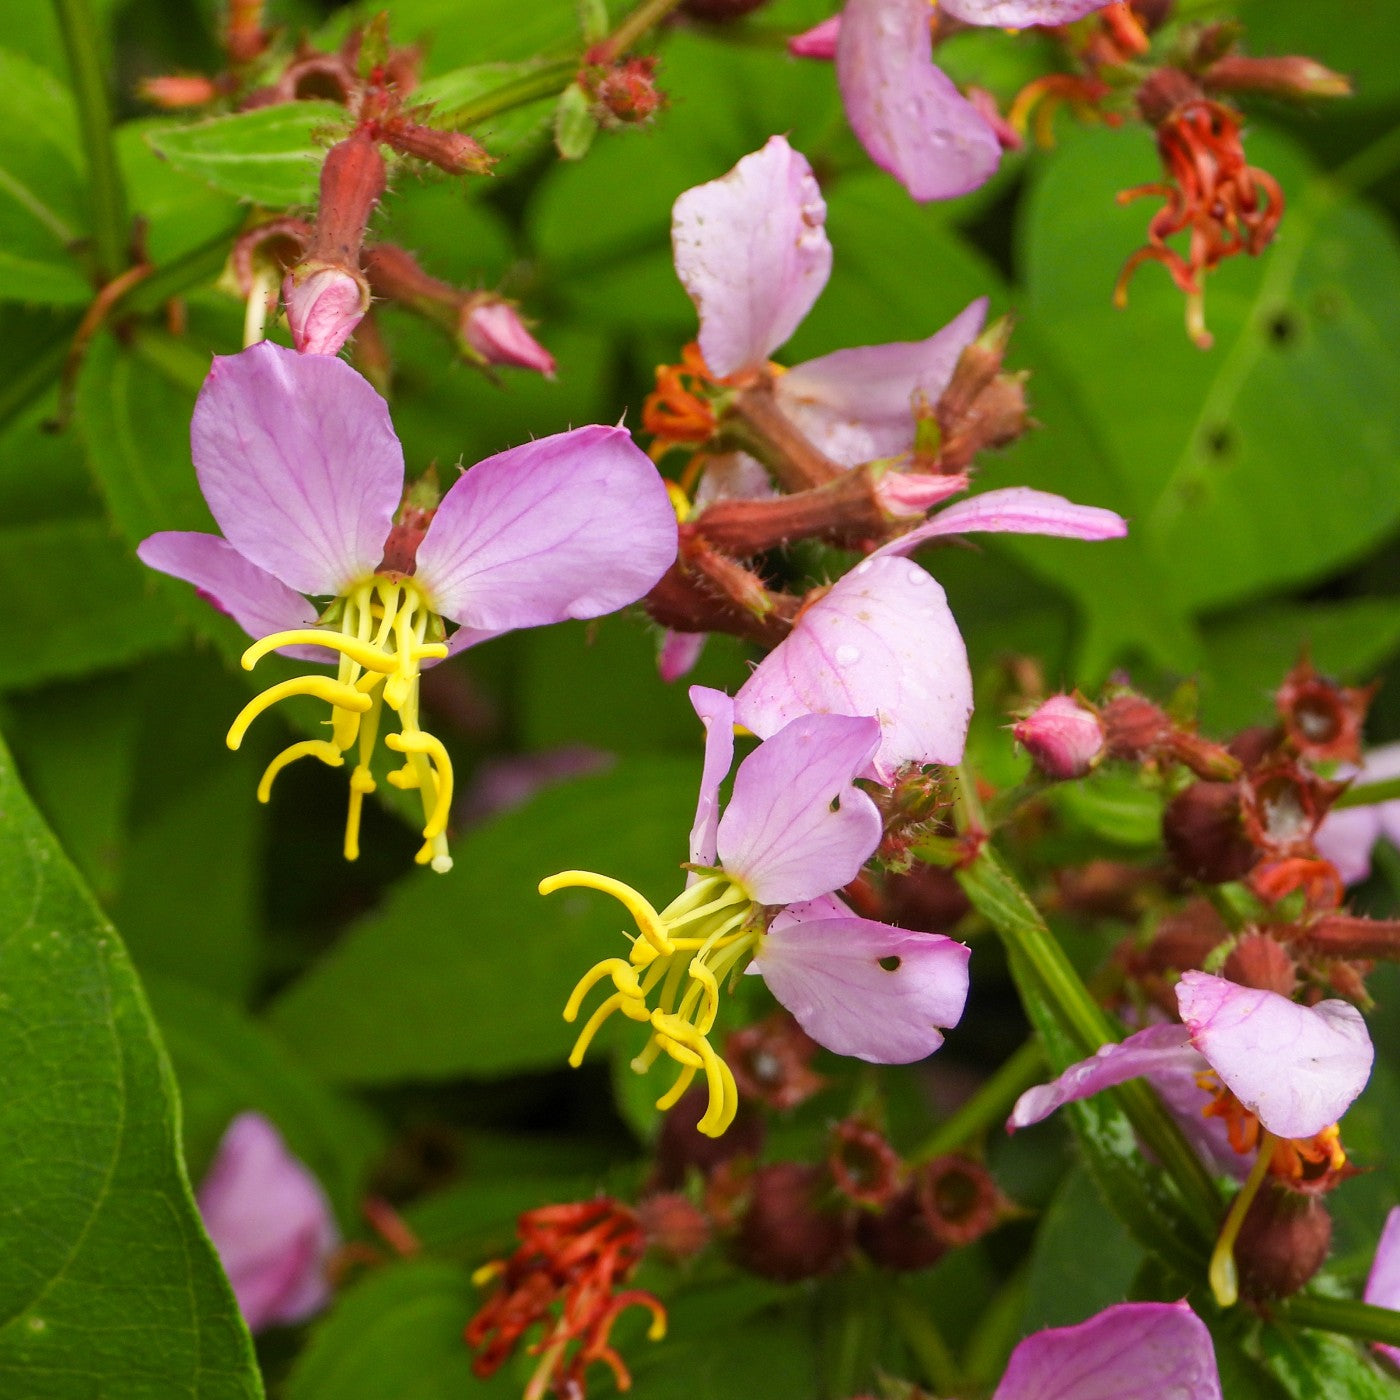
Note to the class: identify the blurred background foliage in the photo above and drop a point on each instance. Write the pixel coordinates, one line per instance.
(403, 1029)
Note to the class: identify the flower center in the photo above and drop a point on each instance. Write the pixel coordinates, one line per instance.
(381, 629)
(671, 980)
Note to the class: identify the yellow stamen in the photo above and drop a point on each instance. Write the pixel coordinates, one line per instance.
(361, 782)
(307, 748)
(361, 653)
(1223, 1276)
(321, 687)
(636, 904)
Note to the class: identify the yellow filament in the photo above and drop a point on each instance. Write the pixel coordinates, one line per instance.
(431, 747)
(361, 782)
(636, 904)
(361, 653)
(624, 979)
(1223, 1276)
(307, 748)
(333, 692)
(672, 1096)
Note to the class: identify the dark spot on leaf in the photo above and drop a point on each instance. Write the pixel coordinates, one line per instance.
(891, 963)
(1218, 441)
(1283, 327)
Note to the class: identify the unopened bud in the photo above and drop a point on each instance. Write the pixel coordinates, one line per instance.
(324, 305)
(491, 330)
(352, 182)
(1204, 831)
(817, 42)
(1263, 962)
(787, 1232)
(898, 1238)
(452, 151)
(1282, 1243)
(1293, 77)
(179, 90)
(625, 94)
(986, 106)
(1064, 738)
(907, 495)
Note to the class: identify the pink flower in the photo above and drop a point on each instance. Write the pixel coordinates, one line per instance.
(909, 116)
(1063, 737)
(883, 642)
(752, 251)
(492, 329)
(1296, 1068)
(270, 1222)
(1131, 1351)
(761, 897)
(1383, 1282)
(1345, 837)
(300, 466)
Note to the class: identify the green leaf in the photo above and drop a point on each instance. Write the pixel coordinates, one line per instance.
(1268, 460)
(106, 1277)
(1115, 806)
(468, 973)
(271, 155)
(398, 1333)
(42, 204)
(226, 1063)
(1316, 1366)
(52, 629)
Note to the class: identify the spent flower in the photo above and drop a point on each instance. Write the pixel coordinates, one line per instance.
(303, 473)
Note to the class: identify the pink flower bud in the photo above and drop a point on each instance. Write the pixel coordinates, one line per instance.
(493, 330)
(905, 494)
(1063, 737)
(324, 305)
(270, 1222)
(819, 42)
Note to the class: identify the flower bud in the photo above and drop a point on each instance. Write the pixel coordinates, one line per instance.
(1204, 832)
(817, 42)
(324, 305)
(625, 94)
(673, 1225)
(898, 1238)
(1288, 76)
(491, 330)
(1064, 738)
(786, 1232)
(452, 151)
(175, 90)
(1260, 961)
(1282, 1243)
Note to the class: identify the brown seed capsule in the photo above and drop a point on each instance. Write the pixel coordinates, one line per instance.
(1282, 1243)
(787, 1232)
(959, 1199)
(898, 1237)
(1204, 832)
(681, 1145)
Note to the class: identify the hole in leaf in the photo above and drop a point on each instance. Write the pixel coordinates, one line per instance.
(1283, 328)
(890, 963)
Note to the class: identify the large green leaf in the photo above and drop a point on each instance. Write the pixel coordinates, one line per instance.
(42, 205)
(467, 973)
(107, 1283)
(270, 155)
(1270, 459)
(1316, 1366)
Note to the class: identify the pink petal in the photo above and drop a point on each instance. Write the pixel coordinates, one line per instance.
(817, 42)
(270, 1222)
(864, 988)
(882, 642)
(323, 308)
(678, 653)
(1021, 14)
(574, 525)
(299, 463)
(259, 603)
(909, 116)
(796, 827)
(1017, 510)
(1131, 1351)
(1346, 837)
(1157, 1049)
(858, 404)
(751, 249)
(1297, 1067)
(732, 476)
(1383, 1283)
(716, 711)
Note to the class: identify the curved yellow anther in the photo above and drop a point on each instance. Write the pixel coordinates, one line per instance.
(648, 920)
(362, 653)
(724, 1093)
(710, 990)
(307, 748)
(616, 1002)
(432, 747)
(624, 979)
(333, 692)
(672, 1096)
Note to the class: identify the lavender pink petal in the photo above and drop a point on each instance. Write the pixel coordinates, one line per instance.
(751, 249)
(716, 712)
(796, 826)
(882, 642)
(299, 463)
(259, 603)
(1297, 1067)
(1383, 1282)
(270, 1222)
(909, 116)
(1021, 14)
(1157, 1049)
(863, 988)
(817, 42)
(574, 525)
(858, 404)
(1346, 837)
(1131, 1351)
(1017, 510)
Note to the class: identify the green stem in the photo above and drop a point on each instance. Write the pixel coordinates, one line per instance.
(1365, 794)
(109, 227)
(1002, 902)
(548, 81)
(1343, 1316)
(647, 14)
(924, 1340)
(200, 266)
(988, 1107)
